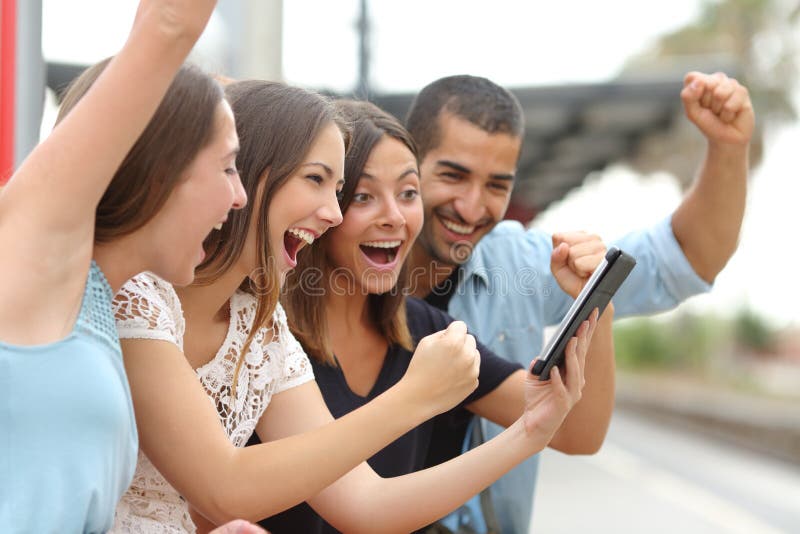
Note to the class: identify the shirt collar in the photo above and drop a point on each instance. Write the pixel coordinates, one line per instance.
(475, 267)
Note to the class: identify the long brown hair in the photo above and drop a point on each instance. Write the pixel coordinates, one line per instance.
(277, 125)
(306, 296)
(182, 126)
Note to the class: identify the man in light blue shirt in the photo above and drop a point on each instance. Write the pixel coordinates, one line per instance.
(497, 277)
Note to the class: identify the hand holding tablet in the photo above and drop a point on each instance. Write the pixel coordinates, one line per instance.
(597, 293)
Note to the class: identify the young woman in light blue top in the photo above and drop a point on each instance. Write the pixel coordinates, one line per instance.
(132, 179)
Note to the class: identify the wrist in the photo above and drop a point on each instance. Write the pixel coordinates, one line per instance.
(530, 439)
(168, 29)
(408, 400)
(728, 151)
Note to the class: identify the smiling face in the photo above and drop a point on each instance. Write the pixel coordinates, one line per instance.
(209, 188)
(382, 221)
(466, 186)
(306, 205)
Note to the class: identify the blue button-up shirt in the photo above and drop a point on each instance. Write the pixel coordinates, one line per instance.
(507, 295)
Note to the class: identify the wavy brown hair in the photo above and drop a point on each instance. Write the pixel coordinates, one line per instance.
(277, 125)
(306, 296)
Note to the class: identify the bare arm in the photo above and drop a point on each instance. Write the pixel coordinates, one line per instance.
(708, 220)
(361, 501)
(47, 209)
(62, 180)
(180, 432)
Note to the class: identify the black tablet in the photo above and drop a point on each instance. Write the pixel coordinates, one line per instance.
(597, 292)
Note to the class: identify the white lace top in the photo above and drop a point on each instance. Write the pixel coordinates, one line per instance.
(148, 308)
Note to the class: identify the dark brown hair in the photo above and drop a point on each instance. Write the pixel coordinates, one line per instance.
(305, 301)
(182, 126)
(480, 101)
(277, 125)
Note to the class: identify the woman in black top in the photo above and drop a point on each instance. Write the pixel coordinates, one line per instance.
(347, 305)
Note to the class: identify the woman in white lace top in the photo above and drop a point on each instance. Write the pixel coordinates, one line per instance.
(228, 331)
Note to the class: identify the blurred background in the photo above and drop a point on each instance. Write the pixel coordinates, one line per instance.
(706, 436)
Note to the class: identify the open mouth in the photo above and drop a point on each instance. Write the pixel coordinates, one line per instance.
(295, 239)
(381, 253)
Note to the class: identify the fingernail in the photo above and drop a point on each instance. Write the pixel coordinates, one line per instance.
(695, 85)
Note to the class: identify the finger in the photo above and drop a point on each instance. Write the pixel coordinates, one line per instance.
(556, 382)
(586, 265)
(735, 103)
(711, 83)
(727, 116)
(691, 95)
(559, 257)
(705, 99)
(469, 343)
(694, 77)
(590, 248)
(593, 318)
(582, 346)
(570, 238)
(456, 329)
(476, 363)
(721, 95)
(589, 244)
(573, 372)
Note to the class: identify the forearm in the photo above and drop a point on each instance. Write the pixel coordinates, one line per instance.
(265, 479)
(409, 502)
(585, 427)
(79, 158)
(707, 222)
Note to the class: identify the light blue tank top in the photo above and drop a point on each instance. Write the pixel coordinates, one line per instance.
(68, 437)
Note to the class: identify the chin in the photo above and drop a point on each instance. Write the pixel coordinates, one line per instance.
(178, 276)
(383, 286)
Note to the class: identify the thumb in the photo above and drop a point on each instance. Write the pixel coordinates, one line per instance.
(559, 257)
(456, 329)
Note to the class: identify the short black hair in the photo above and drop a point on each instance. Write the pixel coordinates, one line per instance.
(477, 100)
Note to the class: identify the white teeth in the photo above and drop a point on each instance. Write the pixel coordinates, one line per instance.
(306, 236)
(382, 244)
(218, 226)
(457, 228)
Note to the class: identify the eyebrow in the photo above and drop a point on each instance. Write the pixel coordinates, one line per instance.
(460, 168)
(328, 170)
(405, 173)
(234, 152)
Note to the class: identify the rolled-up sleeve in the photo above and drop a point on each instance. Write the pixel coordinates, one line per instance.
(662, 278)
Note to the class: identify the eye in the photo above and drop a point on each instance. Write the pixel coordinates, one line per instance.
(409, 194)
(316, 178)
(451, 176)
(232, 171)
(360, 198)
(499, 186)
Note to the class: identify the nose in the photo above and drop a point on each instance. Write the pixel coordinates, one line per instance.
(330, 212)
(391, 216)
(470, 205)
(239, 194)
